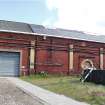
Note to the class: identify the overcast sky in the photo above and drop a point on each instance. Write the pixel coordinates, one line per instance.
(84, 15)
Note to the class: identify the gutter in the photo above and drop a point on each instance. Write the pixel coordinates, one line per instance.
(58, 36)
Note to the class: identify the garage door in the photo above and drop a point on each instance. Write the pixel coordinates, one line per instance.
(9, 63)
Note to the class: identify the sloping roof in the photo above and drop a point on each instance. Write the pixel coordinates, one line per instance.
(19, 27)
(14, 26)
(73, 34)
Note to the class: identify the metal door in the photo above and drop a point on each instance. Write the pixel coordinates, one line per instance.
(9, 63)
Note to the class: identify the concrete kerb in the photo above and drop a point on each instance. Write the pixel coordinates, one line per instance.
(27, 92)
(46, 97)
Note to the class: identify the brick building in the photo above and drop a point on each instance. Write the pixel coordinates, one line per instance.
(28, 48)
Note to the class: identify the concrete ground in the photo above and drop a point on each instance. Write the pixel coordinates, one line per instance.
(47, 97)
(10, 94)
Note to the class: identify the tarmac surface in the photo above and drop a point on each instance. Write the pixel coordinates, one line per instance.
(10, 94)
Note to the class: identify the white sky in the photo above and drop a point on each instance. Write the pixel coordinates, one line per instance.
(85, 15)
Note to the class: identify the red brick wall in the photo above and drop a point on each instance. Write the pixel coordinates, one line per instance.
(52, 53)
(17, 42)
(90, 51)
(51, 57)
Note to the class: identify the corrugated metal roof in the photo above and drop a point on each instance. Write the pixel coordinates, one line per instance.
(19, 27)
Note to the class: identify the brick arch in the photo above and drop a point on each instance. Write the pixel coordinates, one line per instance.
(87, 63)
